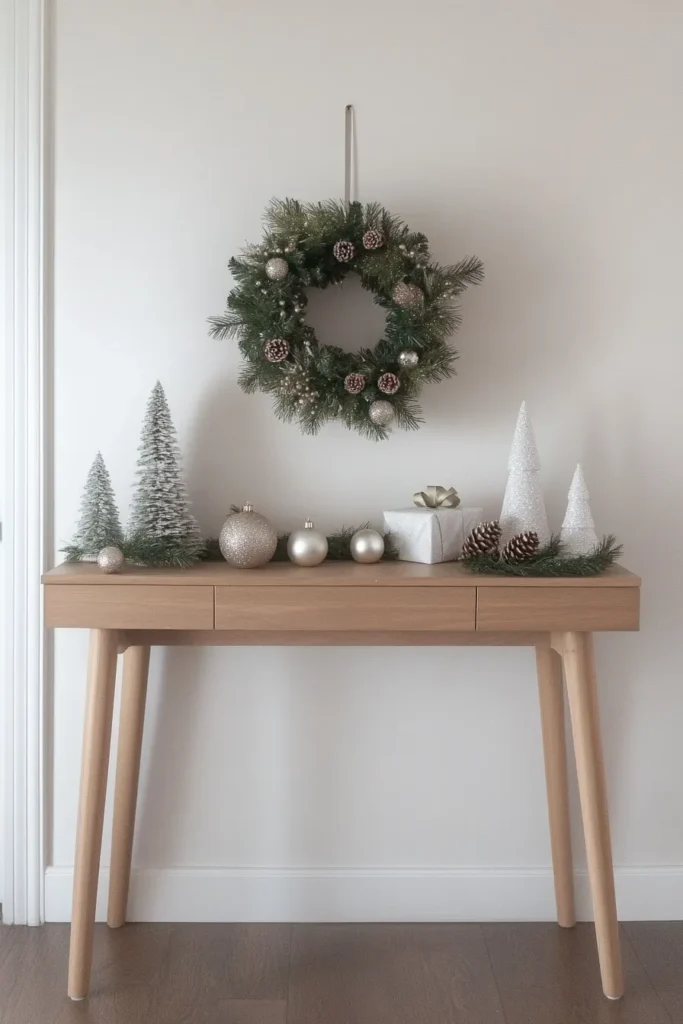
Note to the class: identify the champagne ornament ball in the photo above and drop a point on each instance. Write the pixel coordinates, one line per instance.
(381, 413)
(247, 539)
(307, 546)
(277, 269)
(110, 559)
(367, 546)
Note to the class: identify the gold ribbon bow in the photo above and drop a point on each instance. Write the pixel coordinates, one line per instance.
(437, 497)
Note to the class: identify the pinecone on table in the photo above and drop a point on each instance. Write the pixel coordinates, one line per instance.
(521, 547)
(483, 540)
(373, 239)
(344, 251)
(388, 383)
(276, 350)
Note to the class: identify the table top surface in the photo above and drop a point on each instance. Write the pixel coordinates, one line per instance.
(329, 574)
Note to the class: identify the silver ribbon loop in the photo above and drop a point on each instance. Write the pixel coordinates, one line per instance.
(348, 145)
(437, 497)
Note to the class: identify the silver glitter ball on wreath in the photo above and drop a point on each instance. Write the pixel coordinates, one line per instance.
(381, 413)
(277, 269)
(247, 539)
(367, 546)
(407, 295)
(110, 559)
(408, 359)
(307, 546)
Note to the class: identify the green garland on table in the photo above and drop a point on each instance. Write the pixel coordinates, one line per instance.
(550, 561)
(314, 245)
(142, 549)
(338, 550)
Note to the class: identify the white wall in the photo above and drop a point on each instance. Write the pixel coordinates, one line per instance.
(543, 137)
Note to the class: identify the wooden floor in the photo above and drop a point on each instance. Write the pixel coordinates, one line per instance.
(342, 974)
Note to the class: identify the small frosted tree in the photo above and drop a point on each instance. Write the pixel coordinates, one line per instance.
(99, 525)
(161, 509)
(578, 529)
(523, 505)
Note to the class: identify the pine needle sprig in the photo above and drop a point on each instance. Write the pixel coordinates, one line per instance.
(551, 560)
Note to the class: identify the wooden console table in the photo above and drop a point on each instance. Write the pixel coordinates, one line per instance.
(391, 603)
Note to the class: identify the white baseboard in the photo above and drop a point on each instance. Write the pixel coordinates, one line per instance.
(367, 894)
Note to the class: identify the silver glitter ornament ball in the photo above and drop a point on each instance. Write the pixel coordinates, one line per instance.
(367, 546)
(277, 269)
(381, 413)
(408, 359)
(307, 546)
(247, 539)
(110, 559)
(407, 295)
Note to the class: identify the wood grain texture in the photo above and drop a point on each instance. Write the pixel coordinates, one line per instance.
(329, 574)
(574, 608)
(135, 607)
(551, 700)
(330, 638)
(579, 668)
(337, 609)
(131, 723)
(94, 767)
(549, 975)
(391, 974)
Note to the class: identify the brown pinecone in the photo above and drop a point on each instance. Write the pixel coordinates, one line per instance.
(483, 540)
(521, 547)
(373, 239)
(388, 383)
(276, 350)
(344, 251)
(354, 383)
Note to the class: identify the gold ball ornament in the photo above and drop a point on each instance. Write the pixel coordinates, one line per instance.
(408, 359)
(367, 546)
(381, 413)
(277, 269)
(247, 540)
(407, 295)
(307, 546)
(110, 559)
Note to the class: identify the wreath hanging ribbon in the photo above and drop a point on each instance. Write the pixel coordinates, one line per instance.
(316, 245)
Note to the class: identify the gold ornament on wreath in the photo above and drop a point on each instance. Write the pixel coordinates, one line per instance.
(314, 245)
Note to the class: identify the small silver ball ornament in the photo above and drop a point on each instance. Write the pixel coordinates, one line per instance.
(367, 546)
(408, 359)
(247, 540)
(381, 413)
(277, 268)
(407, 295)
(110, 559)
(307, 546)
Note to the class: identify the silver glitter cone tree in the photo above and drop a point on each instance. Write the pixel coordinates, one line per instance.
(578, 529)
(99, 525)
(161, 508)
(523, 505)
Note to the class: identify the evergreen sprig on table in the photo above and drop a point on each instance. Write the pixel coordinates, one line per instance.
(550, 561)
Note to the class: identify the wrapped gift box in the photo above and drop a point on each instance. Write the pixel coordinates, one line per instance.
(431, 534)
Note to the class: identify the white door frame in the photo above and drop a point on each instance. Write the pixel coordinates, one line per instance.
(27, 398)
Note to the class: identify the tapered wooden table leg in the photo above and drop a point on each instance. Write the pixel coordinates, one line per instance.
(551, 699)
(583, 706)
(131, 722)
(94, 767)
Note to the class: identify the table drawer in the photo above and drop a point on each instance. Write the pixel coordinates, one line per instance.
(345, 608)
(583, 609)
(135, 607)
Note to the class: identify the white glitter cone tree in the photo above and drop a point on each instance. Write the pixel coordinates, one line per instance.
(161, 509)
(99, 525)
(578, 529)
(523, 505)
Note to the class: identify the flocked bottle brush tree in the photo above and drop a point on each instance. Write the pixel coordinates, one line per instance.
(99, 525)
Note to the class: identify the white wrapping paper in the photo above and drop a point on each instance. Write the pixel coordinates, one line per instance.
(431, 534)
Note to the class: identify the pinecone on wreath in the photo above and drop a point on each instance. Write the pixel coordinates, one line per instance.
(354, 383)
(373, 239)
(276, 350)
(344, 251)
(483, 540)
(521, 547)
(388, 383)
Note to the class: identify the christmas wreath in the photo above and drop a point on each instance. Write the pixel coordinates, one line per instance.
(316, 245)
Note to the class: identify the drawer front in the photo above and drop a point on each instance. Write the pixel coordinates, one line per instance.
(345, 608)
(136, 607)
(583, 609)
